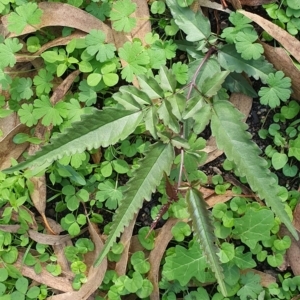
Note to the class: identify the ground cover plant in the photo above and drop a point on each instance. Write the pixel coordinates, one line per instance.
(105, 111)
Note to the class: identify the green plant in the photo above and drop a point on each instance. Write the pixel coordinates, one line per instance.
(150, 138)
(170, 120)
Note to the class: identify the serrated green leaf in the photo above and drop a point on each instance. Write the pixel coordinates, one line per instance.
(150, 86)
(202, 118)
(166, 115)
(204, 232)
(194, 24)
(157, 161)
(126, 100)
(236, 83)
(193, 106)
(230, 60)
(141, 97)
(212, 85)
(151, 120)
(231, 136)
(177, 102)
(167, 79)
(102, 128)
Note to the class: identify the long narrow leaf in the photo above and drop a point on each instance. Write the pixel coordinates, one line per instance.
(232, 137)
(204, 232)
(101, 128)
(157, 161)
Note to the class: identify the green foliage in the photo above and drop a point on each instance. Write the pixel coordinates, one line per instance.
(204, 233)
(95, 45)
(136, 58)
(114, 158)
(279, 89)
(120, 15)
(157, 161)
(184, 264)
(225, 129)
(7, 50)
(26, 14)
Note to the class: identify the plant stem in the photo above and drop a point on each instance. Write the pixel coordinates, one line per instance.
(192, 85)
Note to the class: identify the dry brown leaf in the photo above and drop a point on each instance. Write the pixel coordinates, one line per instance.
(125, 239)
(282, 61)
(296, 220)
(63, 88)
(143, 24)
(48, 239)
(161, 242)
(254, 2)
(243, 103)
(8, 149)
(290, 43)
(95, 275)
(293, 253)
(62, 14)
(214, 5)
(39, 199)
(237, 4)
(214, 199)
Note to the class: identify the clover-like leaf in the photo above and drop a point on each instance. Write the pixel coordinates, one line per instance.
(95, 42)
(7, 50)
(278, 89)
(42, 82)
(21, 88)
(26, 14)
(120, 15)
(136, 58)
(244, 43)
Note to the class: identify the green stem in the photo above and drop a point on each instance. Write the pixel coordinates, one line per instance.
(185, 132)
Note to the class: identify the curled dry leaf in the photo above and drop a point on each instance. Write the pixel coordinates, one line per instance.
(293, 253)
(290, 43)
(125, 239)
(95, 275)
(8, 149)
(161, 242)
(254, 2)
(282, 61)
(214, 5)
(214, 199)
(38, 197)
(243, 103)
(63, 88)
(65, 15)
